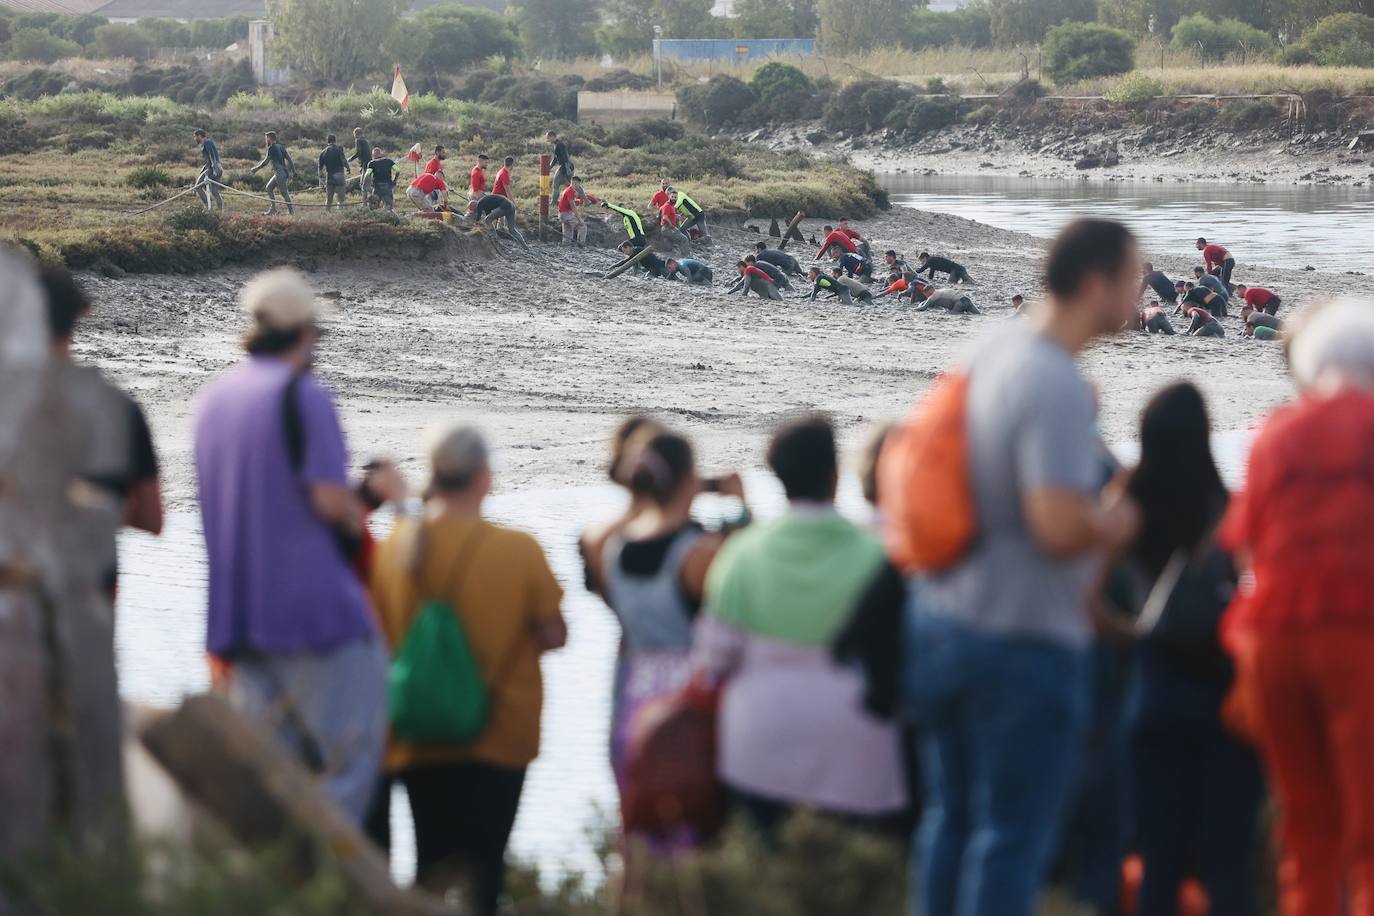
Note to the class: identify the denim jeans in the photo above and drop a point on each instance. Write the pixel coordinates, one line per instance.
(1002, 727)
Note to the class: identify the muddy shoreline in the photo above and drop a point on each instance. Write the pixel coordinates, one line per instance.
(1142, 153)
(547, 357)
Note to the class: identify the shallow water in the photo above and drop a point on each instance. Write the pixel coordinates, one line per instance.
(569, 790)
(1289, 226)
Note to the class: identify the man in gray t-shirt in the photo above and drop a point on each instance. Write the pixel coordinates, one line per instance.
(996, 645)
(1031, 425)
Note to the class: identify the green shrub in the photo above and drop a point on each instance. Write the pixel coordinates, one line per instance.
(1084, 50)
(1297, 56)
(775, 79)
(91, 139)
(719, 102)
(148, 176)
(251, 101)
(1331, 31)
(193, 219)
(123, 41)
(1215, 39)
(34, 84)
(969, 26)
(1136, 90)
(1353, 52)
(865, 105)
(43, 47)
(619, 79)
(448, 38)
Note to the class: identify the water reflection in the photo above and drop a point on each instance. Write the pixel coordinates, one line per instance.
(1290, 226)
(161, 638)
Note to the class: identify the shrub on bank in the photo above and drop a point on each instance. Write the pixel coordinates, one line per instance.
(1215, 39)
(865, 105)
(719, 102)
(968, 27)
(1084, 50)
(40, 46)
(1136, 90)
(148, 176)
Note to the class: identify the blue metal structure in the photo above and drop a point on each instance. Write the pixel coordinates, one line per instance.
(731, 50)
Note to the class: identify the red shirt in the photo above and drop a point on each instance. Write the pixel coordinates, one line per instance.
(1213, 255)
(839, 238)
(429, 183)
(852, 233)
(434, 166)
(1258, 298)
(565, 200)
(502, 185)
(752, 271)
(659, 199)
(668, 213)
(477, 184)
(1304, 517)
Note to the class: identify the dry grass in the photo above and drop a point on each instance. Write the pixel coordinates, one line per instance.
(973, 71)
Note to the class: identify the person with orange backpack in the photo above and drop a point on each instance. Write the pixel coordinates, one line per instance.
(990, 494)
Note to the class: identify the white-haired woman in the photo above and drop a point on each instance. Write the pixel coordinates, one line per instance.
(1302, 631)
(464, 796)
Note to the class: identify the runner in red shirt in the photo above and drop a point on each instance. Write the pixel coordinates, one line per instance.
(477, 184)
(662, 197)
(667, 215)
(751, 279)
(424, 186)
(856, 236)
(502, 184)
(838, 240)
(435, 166)
(574, 227)
(1259, 299)
(1218, 260)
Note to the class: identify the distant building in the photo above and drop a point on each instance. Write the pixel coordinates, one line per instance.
(731, 50)
(725, 9)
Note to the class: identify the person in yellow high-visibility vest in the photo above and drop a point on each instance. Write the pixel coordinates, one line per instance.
(634, 224)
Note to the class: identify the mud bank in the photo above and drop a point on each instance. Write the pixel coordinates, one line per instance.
(1105, 148)
(546, 356)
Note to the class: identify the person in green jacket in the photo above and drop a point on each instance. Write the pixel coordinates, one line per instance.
(691, 214)
(634, 224)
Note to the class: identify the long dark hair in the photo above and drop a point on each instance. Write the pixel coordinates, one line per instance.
(1176, 484)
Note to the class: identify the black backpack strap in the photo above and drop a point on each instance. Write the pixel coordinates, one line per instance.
(293, 426)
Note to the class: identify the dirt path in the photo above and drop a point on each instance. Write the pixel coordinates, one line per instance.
(547, 357)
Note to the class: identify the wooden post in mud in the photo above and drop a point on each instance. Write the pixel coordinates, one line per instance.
(791, 228)
(234, 770)
(545, 192)
(61, 772)
(629, 262)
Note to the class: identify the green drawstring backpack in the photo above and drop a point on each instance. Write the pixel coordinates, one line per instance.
(435, 691)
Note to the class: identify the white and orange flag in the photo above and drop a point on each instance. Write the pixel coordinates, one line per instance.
(399, 92)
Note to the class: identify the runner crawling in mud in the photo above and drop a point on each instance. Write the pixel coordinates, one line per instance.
(690, 270)
(751, 279)
(774, 272)
(1218, 260)
(896, 285)
(1202, 296)
(651, 263)
(856, 265)
(857, 289)
(952, 301)
(836, 243)
(856, 237)
(1204, 323)
(1203, 278)
(495, 207)
(957, 272)
(1154, 320)
(1259, 298)
(895, 262)
(1255, 319)
(821, 283)
(1157, 281)
(777, 257)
